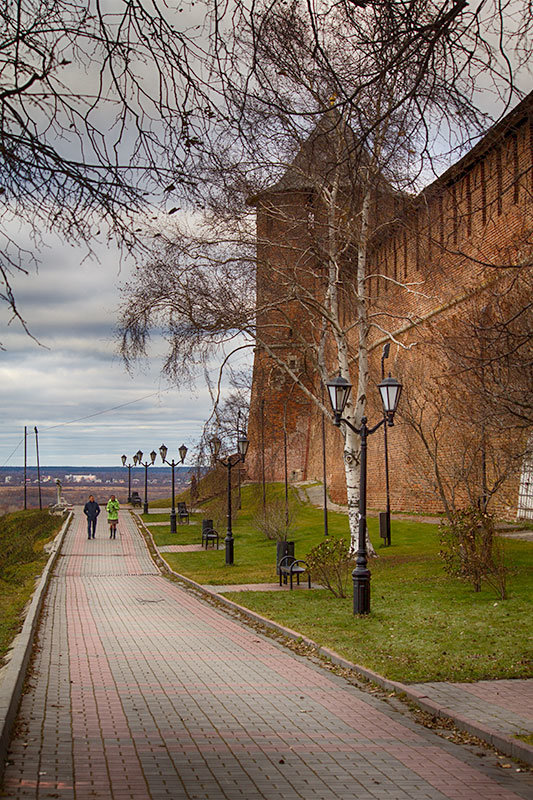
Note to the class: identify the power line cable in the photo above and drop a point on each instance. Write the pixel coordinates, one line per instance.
(104, 411)
(13, 452)
(88, 416)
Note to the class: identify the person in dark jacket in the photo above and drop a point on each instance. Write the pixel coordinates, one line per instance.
(91, 510)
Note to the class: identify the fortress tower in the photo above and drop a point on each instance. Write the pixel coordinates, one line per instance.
(459, 250)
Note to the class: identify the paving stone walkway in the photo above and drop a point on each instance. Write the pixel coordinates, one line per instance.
(141, 691)
(504, 706)
(180, 548)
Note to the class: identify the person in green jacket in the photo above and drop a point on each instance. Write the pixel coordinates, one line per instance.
(112, 516)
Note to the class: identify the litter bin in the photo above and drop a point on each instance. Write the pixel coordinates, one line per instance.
(283, 549)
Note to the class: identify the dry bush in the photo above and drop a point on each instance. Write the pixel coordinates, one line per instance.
(471, 550)
(331, 563)
(276, 520)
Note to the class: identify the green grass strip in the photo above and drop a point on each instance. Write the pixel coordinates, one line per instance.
(23, 535)
(423, 626)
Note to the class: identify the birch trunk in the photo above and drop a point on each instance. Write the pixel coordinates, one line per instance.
(352, 443)
(354, 414)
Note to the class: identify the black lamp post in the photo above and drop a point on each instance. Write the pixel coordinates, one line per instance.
(387, 537)
(145, 464)
(129, 466)
(339, 390)
(239, 503)
(229, 463)
(163, 453)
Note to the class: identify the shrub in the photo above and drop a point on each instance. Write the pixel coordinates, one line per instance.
(331, 563)
(276, 521)
(471, 550)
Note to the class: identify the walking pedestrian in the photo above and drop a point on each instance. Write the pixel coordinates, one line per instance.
(91, 509)
(112, 516)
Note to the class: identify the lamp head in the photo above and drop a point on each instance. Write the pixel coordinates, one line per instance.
(183, 452)
(124, 459)
(339, 391)
(242, 445)
(139, 456)
(390, 390)
(163, 450)
(153, 456)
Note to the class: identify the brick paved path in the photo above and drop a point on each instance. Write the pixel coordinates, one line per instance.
(505, 706)
(140, 691)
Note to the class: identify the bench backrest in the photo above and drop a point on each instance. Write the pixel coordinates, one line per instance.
(182, 508)
(286, 561)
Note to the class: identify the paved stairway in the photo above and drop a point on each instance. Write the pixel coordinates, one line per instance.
(139, 691)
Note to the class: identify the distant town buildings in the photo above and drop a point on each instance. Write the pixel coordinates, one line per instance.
(81, 478)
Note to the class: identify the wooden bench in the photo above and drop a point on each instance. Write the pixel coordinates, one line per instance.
(182, 513)
(290, 566)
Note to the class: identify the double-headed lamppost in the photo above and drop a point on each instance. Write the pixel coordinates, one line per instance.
(229, 463)
(339, 390)
(145, 464)
(385, 354)
(163, 453)
(129, 466)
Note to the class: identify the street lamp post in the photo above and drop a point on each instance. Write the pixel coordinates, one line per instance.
(145, 464)
(129, 466)
(339, 390)
(229, 463)
(239, 505)
(163, 450)
(385, 354)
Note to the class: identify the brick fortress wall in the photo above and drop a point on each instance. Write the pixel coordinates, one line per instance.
(443, 245)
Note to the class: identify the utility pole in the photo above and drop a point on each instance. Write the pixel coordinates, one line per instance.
(38, 467)
(25, 466)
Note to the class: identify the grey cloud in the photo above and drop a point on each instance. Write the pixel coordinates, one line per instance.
(71, 309)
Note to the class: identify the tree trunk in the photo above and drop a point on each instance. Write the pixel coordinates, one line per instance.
(352, 447)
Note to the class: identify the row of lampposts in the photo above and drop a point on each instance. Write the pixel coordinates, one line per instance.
(339, 390)
(138, 462)
(229, 462)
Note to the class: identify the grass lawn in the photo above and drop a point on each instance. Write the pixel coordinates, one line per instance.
(423, 625)
(255, 556)
(151, 518)
(22, 558)
(185, 534)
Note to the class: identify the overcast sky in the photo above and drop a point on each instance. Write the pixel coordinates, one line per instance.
(71, 308)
